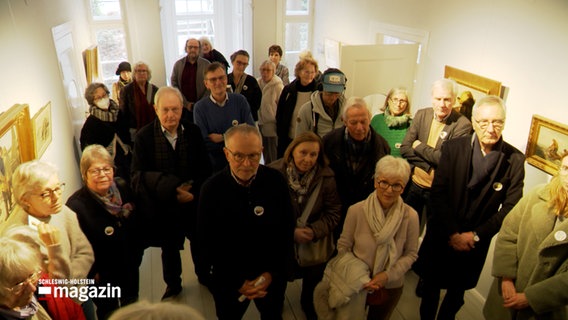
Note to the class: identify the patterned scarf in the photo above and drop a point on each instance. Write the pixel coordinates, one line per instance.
(300, 183)
(109, 115)
(483, 166)
(396, 121)
(112, 201)
(384, 226)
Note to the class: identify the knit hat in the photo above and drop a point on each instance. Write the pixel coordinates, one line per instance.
(123, 66)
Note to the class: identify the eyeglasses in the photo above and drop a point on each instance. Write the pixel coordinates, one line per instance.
(192, 47)
(49, 193)
(497, 124)
(33, 278)
(221, 78)
(141, 71)
(240, 63)
(240, 157)
(100, 171)
(397, 101)
(397, 187)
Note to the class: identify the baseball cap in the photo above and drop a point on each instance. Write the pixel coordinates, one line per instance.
(333, 81)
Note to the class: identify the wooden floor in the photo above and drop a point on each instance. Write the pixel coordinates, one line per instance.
(197, 296)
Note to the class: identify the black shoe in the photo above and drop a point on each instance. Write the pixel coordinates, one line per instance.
(171, 292)
(419, 288)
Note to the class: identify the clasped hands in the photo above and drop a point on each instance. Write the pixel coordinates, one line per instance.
(183, 195)
(378, 281)
(303, 234)
(462, 241)
(511, 298)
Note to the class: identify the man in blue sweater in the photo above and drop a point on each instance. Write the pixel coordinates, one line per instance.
(216, 113)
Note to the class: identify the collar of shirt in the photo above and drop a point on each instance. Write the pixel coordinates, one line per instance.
(170, 137)
(217, 103)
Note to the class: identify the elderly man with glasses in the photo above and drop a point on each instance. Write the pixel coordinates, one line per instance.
(478, 181)
(245, 230)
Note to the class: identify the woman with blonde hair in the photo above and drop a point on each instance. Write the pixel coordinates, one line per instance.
(395, 120)
(531, 256)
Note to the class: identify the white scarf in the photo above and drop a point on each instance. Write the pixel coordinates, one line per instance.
(384, 225)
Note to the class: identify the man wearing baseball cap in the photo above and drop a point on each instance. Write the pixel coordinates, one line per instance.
(323, 112)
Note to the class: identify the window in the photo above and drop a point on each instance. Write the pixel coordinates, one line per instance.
(108, 28)
(227, 23)
(298, 28)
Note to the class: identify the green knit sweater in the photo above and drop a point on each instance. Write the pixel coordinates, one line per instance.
(394, 135)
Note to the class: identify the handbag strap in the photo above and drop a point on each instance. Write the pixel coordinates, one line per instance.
(310, 205)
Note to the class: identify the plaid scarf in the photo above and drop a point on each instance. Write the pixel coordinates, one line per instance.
(109, 115)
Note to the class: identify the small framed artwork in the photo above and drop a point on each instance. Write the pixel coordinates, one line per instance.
(547, 144)
(42, 129)
(16, 147)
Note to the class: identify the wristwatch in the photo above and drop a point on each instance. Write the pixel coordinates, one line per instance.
(475, 237)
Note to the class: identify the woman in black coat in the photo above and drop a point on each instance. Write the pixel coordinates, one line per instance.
(107, 125)
(105, 210)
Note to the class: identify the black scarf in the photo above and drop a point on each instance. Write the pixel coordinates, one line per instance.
(482, 166)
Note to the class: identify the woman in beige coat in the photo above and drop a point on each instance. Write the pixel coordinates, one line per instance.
(531, 256)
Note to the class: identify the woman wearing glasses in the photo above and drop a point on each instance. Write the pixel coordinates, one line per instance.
(382, 231)
(395, 120)
(104, 209)
(20, 268)
(243, 83)
(38, 193)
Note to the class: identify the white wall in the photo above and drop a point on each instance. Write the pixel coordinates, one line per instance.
(521, 43)
(30, 72)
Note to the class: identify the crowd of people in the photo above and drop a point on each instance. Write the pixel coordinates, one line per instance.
(273, 180)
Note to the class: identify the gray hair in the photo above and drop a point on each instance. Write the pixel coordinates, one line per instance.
(357, 103)
(140, 64)
(94, 153)
(244, 129)
(268, 63)
(205, 40)
(144, 310)
(18, 260)
(164, 90)
(90, 92)
(394, 91)
(31, 176)
(447, 84)
(489, 100)
(393, 167)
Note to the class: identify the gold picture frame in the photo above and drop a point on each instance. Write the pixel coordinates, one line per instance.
(547, 143)
(42, 129)
(16, 147)
(478, 85)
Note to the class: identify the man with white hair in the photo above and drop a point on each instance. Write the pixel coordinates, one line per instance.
(478, 181)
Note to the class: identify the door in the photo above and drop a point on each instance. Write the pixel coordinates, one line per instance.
(372, 69)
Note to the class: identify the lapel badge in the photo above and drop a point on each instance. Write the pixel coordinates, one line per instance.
(443, 135)
(497, 186)
(235, 123)
(109, 231)
(560, 235)
(397, 145)
(258, 210)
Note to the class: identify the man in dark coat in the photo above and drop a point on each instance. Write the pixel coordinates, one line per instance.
(422, 144)
(478, 181)
(169, 165)
(353, 151)
(245, 230)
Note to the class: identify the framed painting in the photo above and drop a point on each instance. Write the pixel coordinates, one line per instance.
(479, 86)
(547, 144)
(16, 147)
(42, 129)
